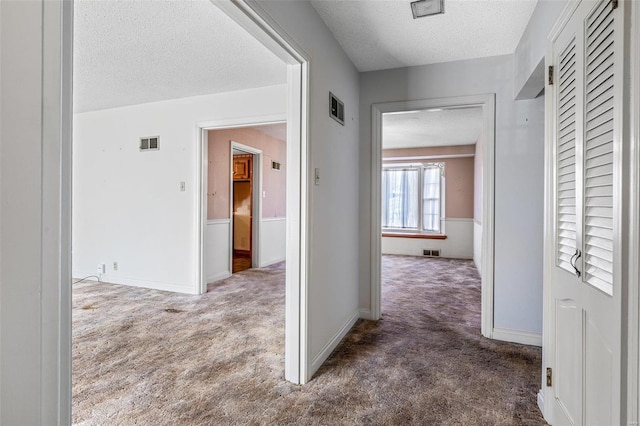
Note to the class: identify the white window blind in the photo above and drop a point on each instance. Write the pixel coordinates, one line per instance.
(599, 148)
(400, 192)
(566, 242)
(431, 188)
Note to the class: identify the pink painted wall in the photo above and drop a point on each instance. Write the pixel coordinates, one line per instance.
(459, 175)
(273, 182)
(477, 192)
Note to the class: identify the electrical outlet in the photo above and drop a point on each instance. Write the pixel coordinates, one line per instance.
(102, 268)
(115, 266)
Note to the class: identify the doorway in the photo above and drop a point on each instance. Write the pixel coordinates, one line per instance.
(242, 210)
(482, 231)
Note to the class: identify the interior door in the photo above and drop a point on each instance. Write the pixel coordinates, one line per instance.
(585, 369)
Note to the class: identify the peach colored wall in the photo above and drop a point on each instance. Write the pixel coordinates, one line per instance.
(459, 175)
(273, 182)
(477, 193)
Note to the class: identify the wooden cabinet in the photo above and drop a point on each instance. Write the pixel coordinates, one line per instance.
(242, 167)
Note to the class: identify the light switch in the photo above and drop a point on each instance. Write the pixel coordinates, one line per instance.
(183, 186)
(317, 176)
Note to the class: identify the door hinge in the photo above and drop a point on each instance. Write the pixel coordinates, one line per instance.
(614, 4)
(549, 376)
(551, 74)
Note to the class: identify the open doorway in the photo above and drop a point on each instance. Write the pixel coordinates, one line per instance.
(140, 156)
(243, 210)
(405, 225)
(429, 208)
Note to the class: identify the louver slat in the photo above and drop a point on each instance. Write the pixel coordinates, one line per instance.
(566, 241)
(598, 149)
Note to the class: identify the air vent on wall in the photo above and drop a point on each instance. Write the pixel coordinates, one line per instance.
(150, 143)
(431, 252)
(336, 108)
(275, 166)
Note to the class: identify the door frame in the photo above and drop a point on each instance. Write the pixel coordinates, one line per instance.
(256, 202)
(202, 178)
(487, 102)
(253, 18)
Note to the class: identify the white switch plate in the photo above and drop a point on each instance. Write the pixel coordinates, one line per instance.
(183, 186)
(317, 176)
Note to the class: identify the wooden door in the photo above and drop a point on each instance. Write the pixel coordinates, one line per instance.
(584, 371)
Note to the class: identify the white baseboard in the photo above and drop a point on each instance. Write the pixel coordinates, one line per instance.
(514, 336)
(365, 314)
(319, 359)
(185, 288)
(541, 401)
(272, 262)
(218, 277)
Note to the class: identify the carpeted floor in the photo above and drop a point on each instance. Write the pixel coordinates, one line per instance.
(153, 358)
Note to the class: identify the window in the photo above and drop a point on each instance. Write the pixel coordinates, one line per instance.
(412, 197)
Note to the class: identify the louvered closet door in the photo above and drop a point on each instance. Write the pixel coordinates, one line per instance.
(586, 204)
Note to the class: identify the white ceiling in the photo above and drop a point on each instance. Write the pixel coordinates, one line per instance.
(132, 52)
(460, 126)
(381, 34)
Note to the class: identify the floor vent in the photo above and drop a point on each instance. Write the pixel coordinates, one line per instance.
(431, 252)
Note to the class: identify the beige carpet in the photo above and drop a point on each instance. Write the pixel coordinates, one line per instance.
(147, 357)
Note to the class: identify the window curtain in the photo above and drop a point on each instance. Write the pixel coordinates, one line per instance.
(431, 199)
(400, 189)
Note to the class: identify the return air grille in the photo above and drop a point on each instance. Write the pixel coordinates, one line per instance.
(150, 143)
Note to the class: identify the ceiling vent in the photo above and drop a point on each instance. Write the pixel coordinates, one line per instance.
(336, 108)
(150, 143)
(422, 8)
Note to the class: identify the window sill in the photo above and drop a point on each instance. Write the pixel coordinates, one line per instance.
(414, 235)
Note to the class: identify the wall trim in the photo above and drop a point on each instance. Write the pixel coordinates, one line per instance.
(273, 219)
(516, 336)
(319, 359)
(541, 401)
(218, 277)
(427, 157)
(183, 288)
(272, 262)
(458, 219)
(254, 19)
(365, 314)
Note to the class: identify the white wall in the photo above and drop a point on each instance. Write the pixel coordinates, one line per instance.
(128, 206)
(518, 175)
(333, 256)
(458, 245)
(529, 72)
(272, 240)
(272, 245)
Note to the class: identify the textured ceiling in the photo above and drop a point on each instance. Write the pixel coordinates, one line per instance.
(132, 52)
(381, 34)
(462, 126)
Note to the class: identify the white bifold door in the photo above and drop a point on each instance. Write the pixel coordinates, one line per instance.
(583, 260)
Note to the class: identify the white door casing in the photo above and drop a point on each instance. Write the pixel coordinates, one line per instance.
(583, 217)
